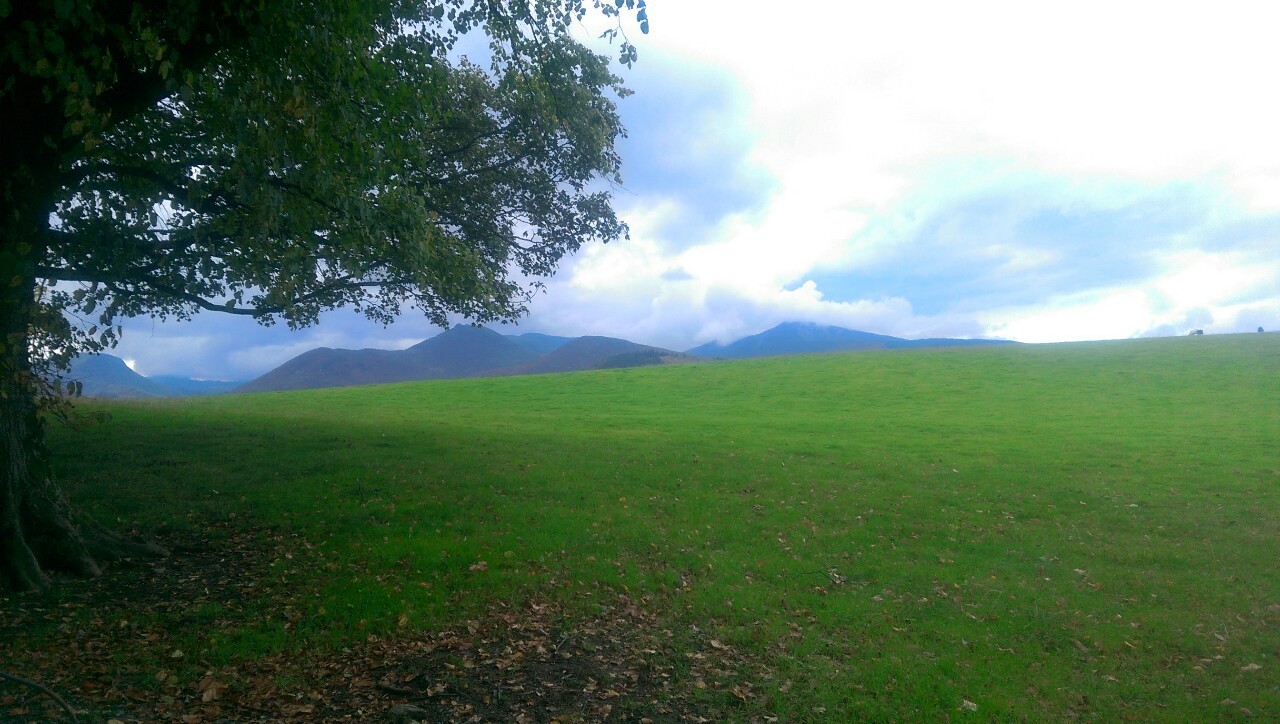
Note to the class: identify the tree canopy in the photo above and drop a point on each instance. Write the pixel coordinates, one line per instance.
(276, 159)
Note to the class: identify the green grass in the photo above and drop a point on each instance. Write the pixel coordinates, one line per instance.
(1043, 531)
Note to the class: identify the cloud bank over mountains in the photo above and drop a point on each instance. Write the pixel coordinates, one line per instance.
(915, 169)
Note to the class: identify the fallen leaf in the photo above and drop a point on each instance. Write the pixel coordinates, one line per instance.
(1250, 667)
(210, 689)
(966, 705)
(481, 566)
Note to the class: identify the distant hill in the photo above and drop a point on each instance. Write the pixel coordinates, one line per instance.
(807, 338)
(327, 367)
(463, 351)
(538, 342)
(583, 353)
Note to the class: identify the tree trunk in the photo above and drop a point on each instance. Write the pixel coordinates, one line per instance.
(37, 533)
(21, 436)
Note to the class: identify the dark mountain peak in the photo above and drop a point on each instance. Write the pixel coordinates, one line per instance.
(318, 352)
(815, 330)
(797, 326)
(459, 334)
(465, 350)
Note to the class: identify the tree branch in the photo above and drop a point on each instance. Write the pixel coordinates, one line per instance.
(114, 283)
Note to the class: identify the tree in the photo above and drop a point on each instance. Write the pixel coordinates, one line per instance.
(274, 158)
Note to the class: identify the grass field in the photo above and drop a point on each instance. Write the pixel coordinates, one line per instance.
(1032, 532)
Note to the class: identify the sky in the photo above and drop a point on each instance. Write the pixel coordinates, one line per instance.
(1026, 171)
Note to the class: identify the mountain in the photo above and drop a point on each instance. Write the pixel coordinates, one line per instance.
(107, 376)
(463, 351)
(538, 342)
(328, 367)
(467, 351)
(592, 353)
(807, 338)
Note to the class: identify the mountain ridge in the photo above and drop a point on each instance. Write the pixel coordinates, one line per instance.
(462, 351)
(474, 351)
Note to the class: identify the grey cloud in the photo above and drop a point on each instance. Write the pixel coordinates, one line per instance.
(1022, 239)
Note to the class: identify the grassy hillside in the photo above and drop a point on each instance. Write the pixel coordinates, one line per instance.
(1037, 532)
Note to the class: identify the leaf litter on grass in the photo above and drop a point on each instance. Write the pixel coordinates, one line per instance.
(108, 645)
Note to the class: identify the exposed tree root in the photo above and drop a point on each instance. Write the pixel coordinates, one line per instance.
(42, 688)
(38, 533)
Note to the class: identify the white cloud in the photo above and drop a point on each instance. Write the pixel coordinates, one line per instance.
(1200, 279)
(875, 120)
(1195, 290)
(1113, 314)
(860, 93)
